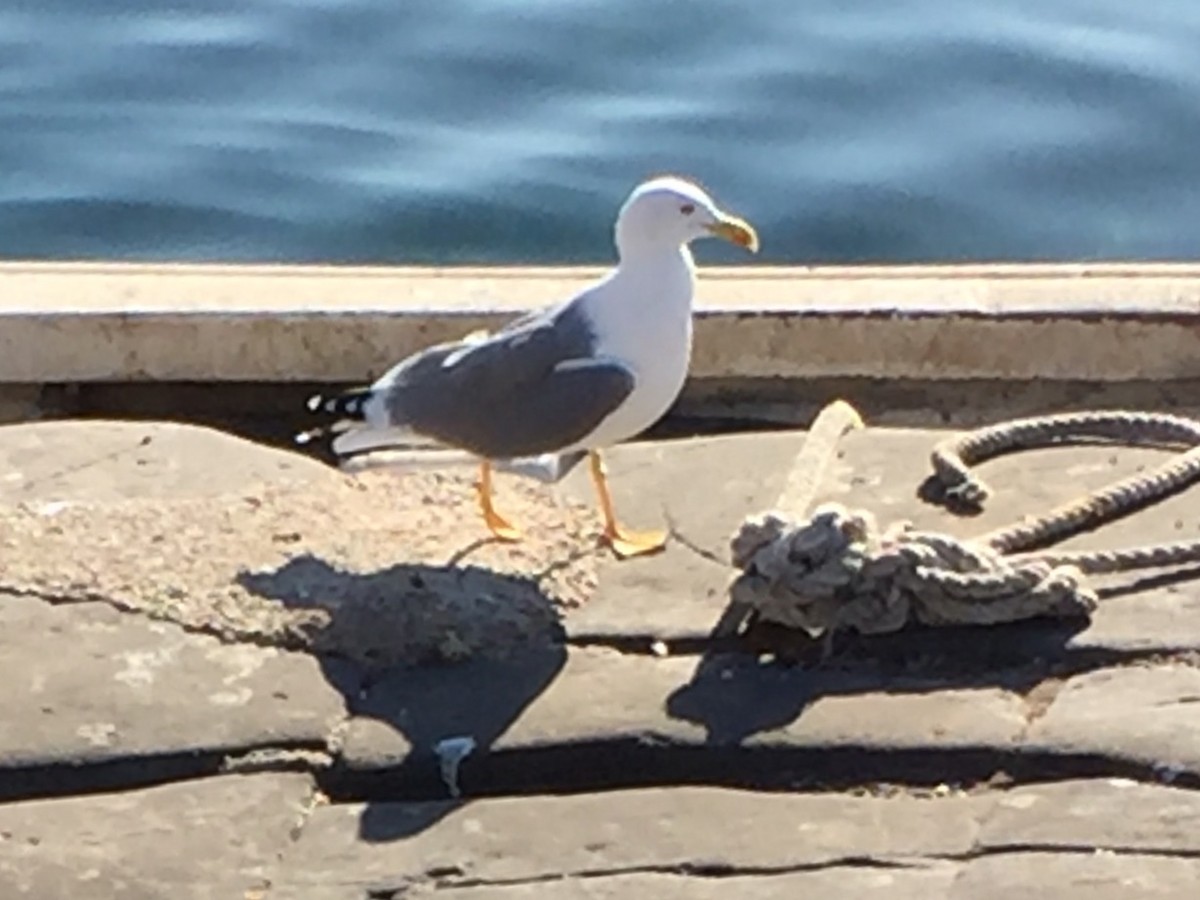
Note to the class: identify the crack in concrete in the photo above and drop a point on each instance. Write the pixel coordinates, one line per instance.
(335, 740)
(455, 877)
(1039, 698)
(629, 763)
(694, 547)
(1047, 849)
(316, 798)
(70, 778)
(661, 765)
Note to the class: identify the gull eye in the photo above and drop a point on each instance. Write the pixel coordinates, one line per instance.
(687, 209)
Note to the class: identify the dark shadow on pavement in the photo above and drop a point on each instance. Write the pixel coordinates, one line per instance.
(479, 700)
(411, 613)
(429, 653)
(1148, 582)
(777, 675)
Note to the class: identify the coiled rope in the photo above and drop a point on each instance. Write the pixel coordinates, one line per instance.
(840, 570)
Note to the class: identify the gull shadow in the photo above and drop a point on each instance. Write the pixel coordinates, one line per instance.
(421, 654)
(411, 613)
(479, 700)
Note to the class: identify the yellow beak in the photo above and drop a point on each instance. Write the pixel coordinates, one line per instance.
(736, 231)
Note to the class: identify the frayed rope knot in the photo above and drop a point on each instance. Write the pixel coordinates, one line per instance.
(838, 570)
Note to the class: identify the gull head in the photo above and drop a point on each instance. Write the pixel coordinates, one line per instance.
(669, 212)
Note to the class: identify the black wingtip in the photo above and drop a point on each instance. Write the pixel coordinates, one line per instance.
(338, 410)
(349, 404)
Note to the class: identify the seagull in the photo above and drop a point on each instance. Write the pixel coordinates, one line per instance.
(563, 383)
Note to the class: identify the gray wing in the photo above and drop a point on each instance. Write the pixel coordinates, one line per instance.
(534, 387)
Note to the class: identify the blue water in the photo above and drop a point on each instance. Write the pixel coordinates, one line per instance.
(450, 131)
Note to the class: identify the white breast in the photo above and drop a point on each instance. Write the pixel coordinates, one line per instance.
(643, 317)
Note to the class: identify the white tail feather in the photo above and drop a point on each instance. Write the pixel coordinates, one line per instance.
(362, 440)
(549, 468)
(401, 460)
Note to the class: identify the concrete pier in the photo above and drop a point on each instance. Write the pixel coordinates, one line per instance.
(234, 672)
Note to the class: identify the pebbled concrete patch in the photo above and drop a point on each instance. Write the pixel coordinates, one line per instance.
(214, 839)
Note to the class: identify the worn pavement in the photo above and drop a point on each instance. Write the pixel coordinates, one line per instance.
(623, 754)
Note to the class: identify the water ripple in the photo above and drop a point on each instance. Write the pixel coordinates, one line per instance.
(508, 130)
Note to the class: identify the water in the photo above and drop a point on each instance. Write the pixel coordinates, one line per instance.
(485, 131)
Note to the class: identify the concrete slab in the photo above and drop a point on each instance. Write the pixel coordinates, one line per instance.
(881, 470)
(1146, 714)
(90, 685)
(98, 461)
(1093, 815)
(604, 696)
(102, 322)
(214, 839)
(637, 840)
(525, 839)
(1082, 876)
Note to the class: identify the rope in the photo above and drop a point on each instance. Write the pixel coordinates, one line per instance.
(839, 569)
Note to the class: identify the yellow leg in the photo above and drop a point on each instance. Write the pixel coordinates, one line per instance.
(499, 526)
(625, 543)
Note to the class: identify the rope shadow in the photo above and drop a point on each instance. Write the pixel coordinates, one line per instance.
(766, 684)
